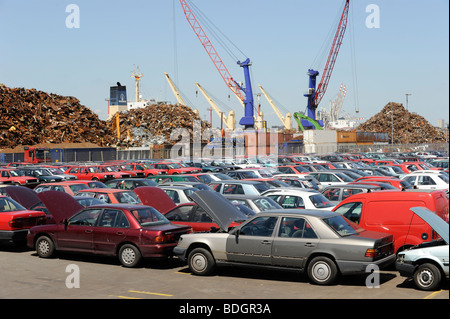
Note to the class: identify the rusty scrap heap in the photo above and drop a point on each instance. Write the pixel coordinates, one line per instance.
(408, 127)
(154, 124)
(30, 117)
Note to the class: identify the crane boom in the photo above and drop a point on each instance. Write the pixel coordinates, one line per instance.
(315, 95)
(228, 120)
(215, 58)
(287, 121)
(175, 90)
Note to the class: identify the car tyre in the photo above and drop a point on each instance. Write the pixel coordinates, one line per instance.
(427, 277)
(129, 256)
(201, 262)
(45, 247)
(322, 271)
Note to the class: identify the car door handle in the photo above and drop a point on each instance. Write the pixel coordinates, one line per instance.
(309, 245)
(265, 242)
(88, 231)
(119, 233)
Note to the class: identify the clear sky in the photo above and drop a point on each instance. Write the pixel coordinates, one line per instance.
(407, 53)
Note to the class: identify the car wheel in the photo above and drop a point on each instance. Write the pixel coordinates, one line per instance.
(201, 262)
(130, 256)
(45, 247)
(427, 277)
(322, 271)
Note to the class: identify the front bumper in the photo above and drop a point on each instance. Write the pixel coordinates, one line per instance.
(180, 253)
(405, 269)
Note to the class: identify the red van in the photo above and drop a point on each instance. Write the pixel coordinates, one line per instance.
(389, 211)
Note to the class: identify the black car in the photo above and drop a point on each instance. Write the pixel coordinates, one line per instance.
(41, 173)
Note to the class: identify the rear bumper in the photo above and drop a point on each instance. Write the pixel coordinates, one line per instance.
(357, 267)
(8, 235)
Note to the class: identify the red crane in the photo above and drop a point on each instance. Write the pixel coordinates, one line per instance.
(220, 66)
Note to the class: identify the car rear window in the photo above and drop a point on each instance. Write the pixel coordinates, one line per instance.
(341, 226)
(149, 217)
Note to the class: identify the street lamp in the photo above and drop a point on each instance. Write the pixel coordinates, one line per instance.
(407, 118)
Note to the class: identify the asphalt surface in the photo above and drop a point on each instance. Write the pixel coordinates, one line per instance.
(23, 275)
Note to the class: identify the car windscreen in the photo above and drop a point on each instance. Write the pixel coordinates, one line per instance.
(320, 201)
(266, 203)
(149, 216)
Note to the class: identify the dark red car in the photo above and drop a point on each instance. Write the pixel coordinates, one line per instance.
(130, 232)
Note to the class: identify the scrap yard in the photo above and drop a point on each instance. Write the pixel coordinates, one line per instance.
(313, 168)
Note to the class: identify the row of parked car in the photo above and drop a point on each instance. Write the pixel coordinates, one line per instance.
(210, 218)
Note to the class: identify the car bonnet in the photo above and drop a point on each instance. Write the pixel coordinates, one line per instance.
(60, 204)
(23, 195)
(436, 222)
(155, 197)
(220, 209)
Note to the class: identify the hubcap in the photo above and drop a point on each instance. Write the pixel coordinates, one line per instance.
(199, 262)
(426, 278)
(128, 255)
(44, 247)
(321, 271)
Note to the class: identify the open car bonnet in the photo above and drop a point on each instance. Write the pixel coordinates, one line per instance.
(61, 205)
(436, 222)
(23, 195)
(220, 209)
(155, 197)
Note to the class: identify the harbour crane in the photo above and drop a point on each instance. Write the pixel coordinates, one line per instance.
(315, 95)
(230, 120)
(286, 120)
(336, 105)
(248, 121)
(176, 92)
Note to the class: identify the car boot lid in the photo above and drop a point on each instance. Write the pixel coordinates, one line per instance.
(23, 195)
(436, 222)
(220, 209)
(61, 205)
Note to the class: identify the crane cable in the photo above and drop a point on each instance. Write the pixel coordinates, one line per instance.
(353, 58)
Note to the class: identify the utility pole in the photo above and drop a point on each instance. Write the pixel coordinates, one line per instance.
(407, 118)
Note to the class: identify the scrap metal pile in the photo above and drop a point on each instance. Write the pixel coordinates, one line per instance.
(30, 117)
(407, 127)
(155, 123)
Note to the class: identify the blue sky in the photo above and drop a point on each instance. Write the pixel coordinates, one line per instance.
(408, 53)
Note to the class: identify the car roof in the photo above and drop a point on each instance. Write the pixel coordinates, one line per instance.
(236, 182)
(294, 211)
(104, 190)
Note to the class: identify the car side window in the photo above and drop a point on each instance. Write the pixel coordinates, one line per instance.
(351, 211)
(260, 226)
(295, 227)
(179, 214)
(86, 217)
(292, 202)
(113, 218)
(104, 197)
(426, 180)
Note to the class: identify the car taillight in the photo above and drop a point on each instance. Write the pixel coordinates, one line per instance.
(164, 238)
(16, 223)
(371, 253)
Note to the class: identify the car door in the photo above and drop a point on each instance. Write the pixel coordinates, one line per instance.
(293, 242)
(111, 229)
(253, 244)
(78, 235)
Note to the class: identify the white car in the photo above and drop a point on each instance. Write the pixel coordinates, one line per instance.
(179, 194)
(428, 180)
(331, 178)
(299, 198)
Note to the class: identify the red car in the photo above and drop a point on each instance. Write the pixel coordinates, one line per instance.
(89, 173)
(17, 177)
(175, 168)
(146, 169)
(130, 232)
(111, 195)
(16, 220)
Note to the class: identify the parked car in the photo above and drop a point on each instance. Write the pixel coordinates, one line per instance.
(389, 211)
(338, 193)
(299, 198)
(17, 177)
(68, 187)
(321, 243)
(198, 185)
(130, 183)
(435, 180)
(293, 169)
(173, 178)
(427, 263)
(111, 195)
(175, 168)
(130, 232)
(239, 187)
(16, 220)
(202, 217)
(209, 177)
(205, 167)
(179, 194)
(42, 174)
(330, 178)
(59, 172)
(90, 172)
(144, 169)
(256, 203)
(244, 174)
